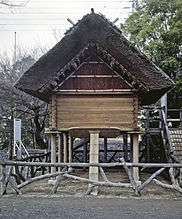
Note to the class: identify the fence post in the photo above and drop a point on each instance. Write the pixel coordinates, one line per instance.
(180, 116)
(53, 151)
(1, 175)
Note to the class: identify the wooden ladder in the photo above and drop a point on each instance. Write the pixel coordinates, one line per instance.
(176, 142)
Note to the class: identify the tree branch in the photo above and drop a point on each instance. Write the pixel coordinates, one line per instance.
(14, 5)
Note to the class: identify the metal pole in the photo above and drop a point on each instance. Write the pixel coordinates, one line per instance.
(15, 45)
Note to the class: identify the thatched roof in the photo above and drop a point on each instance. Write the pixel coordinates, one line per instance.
(106, 40)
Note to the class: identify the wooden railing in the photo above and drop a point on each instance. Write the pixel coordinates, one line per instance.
(65, 171)
(166, 135)
(167, 115)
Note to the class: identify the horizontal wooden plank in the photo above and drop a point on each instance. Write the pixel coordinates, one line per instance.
(96, 125)
(96, 122)
(95, 92)
(110, 98)
(100, 96)
(95, 103)
(82, 102)
(94, 76)
(96, 110)
(95, 118)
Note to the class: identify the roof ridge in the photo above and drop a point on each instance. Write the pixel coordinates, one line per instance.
(91, 14)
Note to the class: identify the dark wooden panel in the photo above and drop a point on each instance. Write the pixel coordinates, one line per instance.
(94, 69)
(94, 76)
(94, 83)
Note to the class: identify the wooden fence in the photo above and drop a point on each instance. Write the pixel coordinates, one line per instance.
(65, 170)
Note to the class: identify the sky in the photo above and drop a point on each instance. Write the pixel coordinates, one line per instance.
(42, 23)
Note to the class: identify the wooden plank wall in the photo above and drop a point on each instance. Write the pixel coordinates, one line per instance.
(95, 111)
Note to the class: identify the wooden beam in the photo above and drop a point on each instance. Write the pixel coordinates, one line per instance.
(105, 150)
(94, 157)
(98, 183)
(135, 156)
(53, 152)
(65, 143)
(85, 152)
(131, 148)
(94, 76)
(60, 149)
(116, 164)
(1, 177)
(70, 149)
(125, 146)
(180, 116)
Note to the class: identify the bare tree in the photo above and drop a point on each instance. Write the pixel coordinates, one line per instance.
(14, 103)
(10, 4)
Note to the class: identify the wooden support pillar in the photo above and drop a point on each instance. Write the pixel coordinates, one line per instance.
(148, 157)
(65, 144)
(147, 130)
(135, 156)
(1, 177)
(125, 146)
(85, 152)
(60, 149)
(70, 149)
(164, 104)
(94, 157)
(131, 148)
(53, 152)
(105, 150)
(180, 116)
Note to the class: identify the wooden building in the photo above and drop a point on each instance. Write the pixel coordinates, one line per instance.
(94, 81)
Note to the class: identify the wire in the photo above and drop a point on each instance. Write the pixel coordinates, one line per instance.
(77, 1)
(57, 12)
(39, 22)
(32, 30)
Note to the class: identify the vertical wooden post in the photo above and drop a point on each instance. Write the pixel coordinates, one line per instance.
(164, 104)
(70, 149)
(135, 156)
(94, 157)
(3, 180)
(60, 149)
(180, 116)
(105, 150)
(147, 130)
(1, 177)
(148, 157)
(85, 152)
(65, 143)
(53, 151)
(125, 146)
(131, 148)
